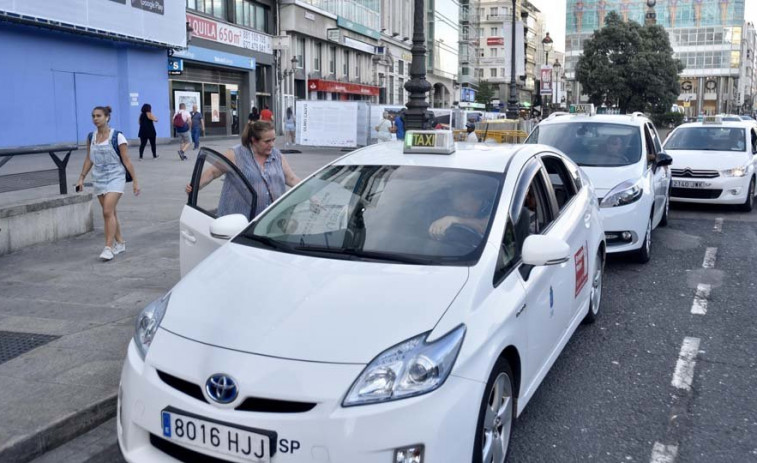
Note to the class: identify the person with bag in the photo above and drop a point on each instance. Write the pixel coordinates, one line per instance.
(182, 121)
(108, 158)
(262, 165)
(147, 131)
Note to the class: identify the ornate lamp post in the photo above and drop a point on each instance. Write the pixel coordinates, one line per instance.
(547, 43)
(512, 103)
(417, 115)
(556, 84)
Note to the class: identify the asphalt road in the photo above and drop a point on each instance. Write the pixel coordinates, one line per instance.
(610, 397)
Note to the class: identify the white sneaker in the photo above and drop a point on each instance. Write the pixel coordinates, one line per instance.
(119, 248)
(107, 253)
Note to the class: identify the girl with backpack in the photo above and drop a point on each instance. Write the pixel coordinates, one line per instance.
(108, 157)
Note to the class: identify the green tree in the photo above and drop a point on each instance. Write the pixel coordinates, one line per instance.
(485, 94)
(629, 65)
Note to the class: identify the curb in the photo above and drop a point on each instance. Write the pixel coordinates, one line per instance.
(26, 448)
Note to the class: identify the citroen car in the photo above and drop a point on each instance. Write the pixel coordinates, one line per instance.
(623, 157)
(402, 304)
(714, 162)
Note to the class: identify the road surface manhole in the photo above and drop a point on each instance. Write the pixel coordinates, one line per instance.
(13, 344)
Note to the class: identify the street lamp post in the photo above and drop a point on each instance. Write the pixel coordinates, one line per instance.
(417, 115)
(547, 43)
(512, 103)
(556, 84)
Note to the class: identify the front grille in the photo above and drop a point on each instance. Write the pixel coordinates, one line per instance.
(250, 404)
(690, 173)
(182, 453)
(694, 193)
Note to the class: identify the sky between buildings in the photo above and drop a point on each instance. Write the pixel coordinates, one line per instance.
(554, 12)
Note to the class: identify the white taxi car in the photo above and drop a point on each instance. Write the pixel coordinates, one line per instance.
(714, 162)
(623, 157)
(399, 305)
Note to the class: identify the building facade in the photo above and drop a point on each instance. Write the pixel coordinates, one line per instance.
(468, 55)
(394, 57)
(442, 45)
(68, 57)
(710, 37)
(228, 66)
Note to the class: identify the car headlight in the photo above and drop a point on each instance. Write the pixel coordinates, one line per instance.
(623, 194)
(148, 322)
(737, 172)
(410, 368)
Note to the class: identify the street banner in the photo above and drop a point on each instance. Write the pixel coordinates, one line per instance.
(227, 34)
(215, 114)
(520, 67)
(157, 21)
(546, 80)
(328, 123)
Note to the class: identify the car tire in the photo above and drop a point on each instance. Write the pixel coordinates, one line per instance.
(643, 254)
(749, 202)
(664, 219)
(595, 298)
(496, 416)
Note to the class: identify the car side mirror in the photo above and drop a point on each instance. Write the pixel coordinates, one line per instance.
(664, 159)
(227, 226)
(540, 250)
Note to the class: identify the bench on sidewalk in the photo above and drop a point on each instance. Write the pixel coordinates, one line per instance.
(34, 179)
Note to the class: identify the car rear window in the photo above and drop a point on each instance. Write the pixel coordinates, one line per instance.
(586, 143)
(707, 139)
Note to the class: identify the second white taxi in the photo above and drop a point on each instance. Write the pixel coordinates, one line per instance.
(714, 162)
(401, 305)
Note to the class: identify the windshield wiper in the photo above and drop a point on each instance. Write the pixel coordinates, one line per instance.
(378, 255)
(270, 242)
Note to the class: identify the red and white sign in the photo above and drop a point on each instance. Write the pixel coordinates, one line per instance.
(491, 41)
(582, 269)
(230, 35)
(321, 85)
(546, 80)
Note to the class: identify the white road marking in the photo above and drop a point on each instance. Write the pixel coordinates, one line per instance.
(663, 453)
(709, 258)
(718, 225)
(699, 307)
(684, 373)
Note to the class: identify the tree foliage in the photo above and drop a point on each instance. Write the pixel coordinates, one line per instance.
(485, 93)
(629, 65)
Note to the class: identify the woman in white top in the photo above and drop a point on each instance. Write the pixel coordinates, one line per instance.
(383, 128)
(109, 168)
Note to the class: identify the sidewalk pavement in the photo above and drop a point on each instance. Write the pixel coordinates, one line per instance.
(67, 386)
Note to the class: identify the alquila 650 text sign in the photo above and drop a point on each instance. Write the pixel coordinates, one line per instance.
(229, 35)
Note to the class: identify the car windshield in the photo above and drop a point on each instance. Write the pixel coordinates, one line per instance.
(405, 214)
(592, 144)
(707, 139)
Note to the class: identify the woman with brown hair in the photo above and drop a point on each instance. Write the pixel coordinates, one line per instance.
(147, 130)
(108, 157)
(262, 165)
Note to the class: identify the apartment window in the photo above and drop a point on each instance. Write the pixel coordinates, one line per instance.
(358, 61)
(262, 15)
(332, 60)
(493, 72)
(317, 57)
(391, 89)
(300, 52)
(401, 89)
(401, 65)
(244, 13)
(494, 32)
(480, 31)
(346, 64)
(493, 52)
(215, 8)
(465, 71)
(493, 11)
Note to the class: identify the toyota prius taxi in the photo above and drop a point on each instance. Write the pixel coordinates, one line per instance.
(402, 304)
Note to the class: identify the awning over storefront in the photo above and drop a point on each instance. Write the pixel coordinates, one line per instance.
(320, 85)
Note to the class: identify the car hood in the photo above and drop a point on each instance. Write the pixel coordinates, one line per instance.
(308, 308)
(707, 160)
(605, 179)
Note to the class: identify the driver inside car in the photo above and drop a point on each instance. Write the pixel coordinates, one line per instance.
(470, 209)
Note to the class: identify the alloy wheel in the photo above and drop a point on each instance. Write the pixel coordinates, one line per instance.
(498, 420)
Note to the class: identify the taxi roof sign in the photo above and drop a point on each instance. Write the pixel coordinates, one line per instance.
(712, 120)
(429, 142)
(587, 109)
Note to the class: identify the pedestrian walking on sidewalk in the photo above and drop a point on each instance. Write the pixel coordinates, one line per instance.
(147, 130)
(266, 114)
(262, 165)
(384, 128)
(254, 115)
(108, 157)
(290, 126)
(198, 126)
(182, 121)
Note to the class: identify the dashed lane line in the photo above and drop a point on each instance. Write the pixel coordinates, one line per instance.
(699, 306)
(710, 256)
(684, 372)
(662, 453)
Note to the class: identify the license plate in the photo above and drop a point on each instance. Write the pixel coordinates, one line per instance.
(685, 184)
(240, 443)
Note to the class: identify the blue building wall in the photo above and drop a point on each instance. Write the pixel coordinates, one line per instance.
(52, 80)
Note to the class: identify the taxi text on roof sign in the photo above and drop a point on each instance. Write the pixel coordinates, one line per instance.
(429, 142)
(712, 120)
(587, 109)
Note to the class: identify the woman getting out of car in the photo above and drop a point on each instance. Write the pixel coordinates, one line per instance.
(261, 164)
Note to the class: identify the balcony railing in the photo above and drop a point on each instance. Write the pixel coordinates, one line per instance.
(493, 17)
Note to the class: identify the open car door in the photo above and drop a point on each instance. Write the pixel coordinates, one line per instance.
(196, 241)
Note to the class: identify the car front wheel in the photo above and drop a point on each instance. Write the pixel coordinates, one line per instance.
(664, 219)
(644, 253)
(495, 417)
(596, 289)
(749, 203)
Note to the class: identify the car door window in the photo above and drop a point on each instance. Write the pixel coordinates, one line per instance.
(535, 212)
(655, 137)
(561, 180)
(219, 188)
(651, 149)
(754, 140)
